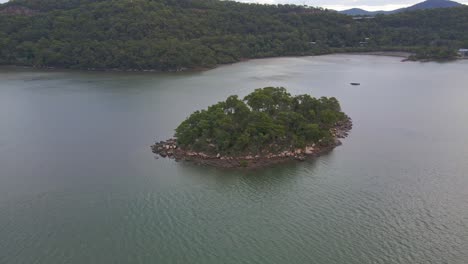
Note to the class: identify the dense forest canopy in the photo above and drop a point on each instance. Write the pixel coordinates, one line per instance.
(268, 119)
(177, 34)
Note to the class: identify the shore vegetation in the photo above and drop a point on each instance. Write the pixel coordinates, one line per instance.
(175, 35)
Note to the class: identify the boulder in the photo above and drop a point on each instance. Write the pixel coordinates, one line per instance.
(309, 150)
(300, 158)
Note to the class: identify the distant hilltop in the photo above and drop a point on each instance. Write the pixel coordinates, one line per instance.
(429, 4)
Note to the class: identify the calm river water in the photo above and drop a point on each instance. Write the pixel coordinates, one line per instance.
(79, 184)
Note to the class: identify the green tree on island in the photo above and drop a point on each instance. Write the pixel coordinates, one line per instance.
(267, 120)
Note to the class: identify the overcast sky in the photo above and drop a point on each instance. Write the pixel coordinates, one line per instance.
(371, 5)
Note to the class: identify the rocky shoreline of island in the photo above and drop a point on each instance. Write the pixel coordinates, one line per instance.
(170, 149)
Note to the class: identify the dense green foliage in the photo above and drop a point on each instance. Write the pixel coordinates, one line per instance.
(268, 119)
(434, 53)
(432, 34)
(178, 34)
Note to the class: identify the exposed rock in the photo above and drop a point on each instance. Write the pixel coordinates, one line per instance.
(300, 158)
(169, 148)
(309, 150)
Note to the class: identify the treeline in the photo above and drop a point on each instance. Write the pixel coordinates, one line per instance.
(178, 34)
(268, 119)
(433, 33)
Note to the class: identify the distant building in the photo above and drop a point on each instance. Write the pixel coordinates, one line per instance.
(463, 53)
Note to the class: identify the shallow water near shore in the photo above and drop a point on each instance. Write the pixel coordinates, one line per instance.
(79, 184)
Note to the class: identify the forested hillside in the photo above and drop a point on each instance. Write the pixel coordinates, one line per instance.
(178, 34)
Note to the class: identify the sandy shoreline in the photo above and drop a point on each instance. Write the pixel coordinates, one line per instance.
(400, 54)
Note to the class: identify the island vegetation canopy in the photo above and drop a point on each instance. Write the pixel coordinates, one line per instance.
(269, 119)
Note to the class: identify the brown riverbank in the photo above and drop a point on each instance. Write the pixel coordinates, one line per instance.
(170, 149)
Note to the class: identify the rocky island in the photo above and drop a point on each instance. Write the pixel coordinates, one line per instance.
(266, 127)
